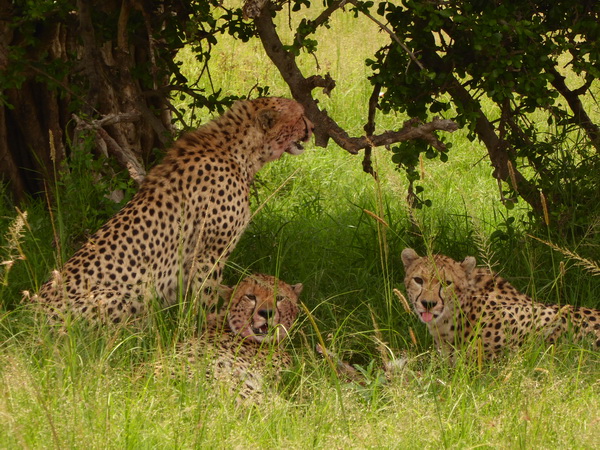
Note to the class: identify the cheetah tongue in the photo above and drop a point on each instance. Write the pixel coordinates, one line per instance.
(426, 316)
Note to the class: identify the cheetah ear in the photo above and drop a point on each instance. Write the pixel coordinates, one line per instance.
(409, 256)
(468, 264)
(225, 292)
(297, 288)
(267, 118)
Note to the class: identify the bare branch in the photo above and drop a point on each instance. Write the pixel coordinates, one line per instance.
(325, 82)
(112, 119)
(393, 35)
(123, 153)
(412, 129)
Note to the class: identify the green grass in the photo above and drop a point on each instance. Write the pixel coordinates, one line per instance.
(89, 388)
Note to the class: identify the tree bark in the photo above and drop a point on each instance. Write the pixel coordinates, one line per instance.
(98, 78)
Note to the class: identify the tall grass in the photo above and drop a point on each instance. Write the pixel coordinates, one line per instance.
(340, 232)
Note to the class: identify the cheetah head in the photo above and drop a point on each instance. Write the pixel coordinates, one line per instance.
(284, 125)
(434, 282)
(262, 308)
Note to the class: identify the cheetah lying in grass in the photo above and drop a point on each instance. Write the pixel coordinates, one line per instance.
(178, 230)
(458, 302)
(240, 346)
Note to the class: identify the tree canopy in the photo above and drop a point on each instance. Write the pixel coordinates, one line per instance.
(520, 76)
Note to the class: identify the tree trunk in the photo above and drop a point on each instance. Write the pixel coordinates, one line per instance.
(96, 79)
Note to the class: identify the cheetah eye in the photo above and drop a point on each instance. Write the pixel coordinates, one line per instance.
(447, 283)
(251, 297)
(418, 280)
(279, 298)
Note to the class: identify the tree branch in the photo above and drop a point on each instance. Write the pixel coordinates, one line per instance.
(322, 19)
(581, 117)
(393, 35)
(124, 155)
(370, 129)
(325, 127)
(496, 147)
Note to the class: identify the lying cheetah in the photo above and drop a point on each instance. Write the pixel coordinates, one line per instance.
(241, 343)
(458, 301)
(178, 230)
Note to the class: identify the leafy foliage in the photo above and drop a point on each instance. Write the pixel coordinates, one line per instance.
(535, 62)
(518, 55)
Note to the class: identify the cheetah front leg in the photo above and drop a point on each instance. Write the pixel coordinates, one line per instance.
(204, 272)
(204, 278)
(207, 254)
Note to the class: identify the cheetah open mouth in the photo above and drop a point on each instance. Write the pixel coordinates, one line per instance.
(295, 148)
(262, 330)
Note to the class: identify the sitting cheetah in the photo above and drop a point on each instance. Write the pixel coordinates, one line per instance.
(458, 301)
(178, 230)
(241, 343)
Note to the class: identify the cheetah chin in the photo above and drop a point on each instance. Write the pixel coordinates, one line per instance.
(263, 330)
(261, 333)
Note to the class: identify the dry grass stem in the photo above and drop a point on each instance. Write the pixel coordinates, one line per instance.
(14, 239)
(484, 246)
(545, 209)
(591, 266)
(403, 300)
(376, 217)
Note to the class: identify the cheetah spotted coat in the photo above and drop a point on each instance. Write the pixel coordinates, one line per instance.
(178, 230)
(460, 302)
(240, 348)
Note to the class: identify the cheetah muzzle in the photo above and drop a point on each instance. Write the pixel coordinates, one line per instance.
(262, 308)
(296, 148)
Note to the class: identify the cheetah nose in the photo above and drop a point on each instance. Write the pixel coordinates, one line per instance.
(428, 305)
(266, 313)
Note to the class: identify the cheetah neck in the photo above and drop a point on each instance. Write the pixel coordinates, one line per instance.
(250, 153)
